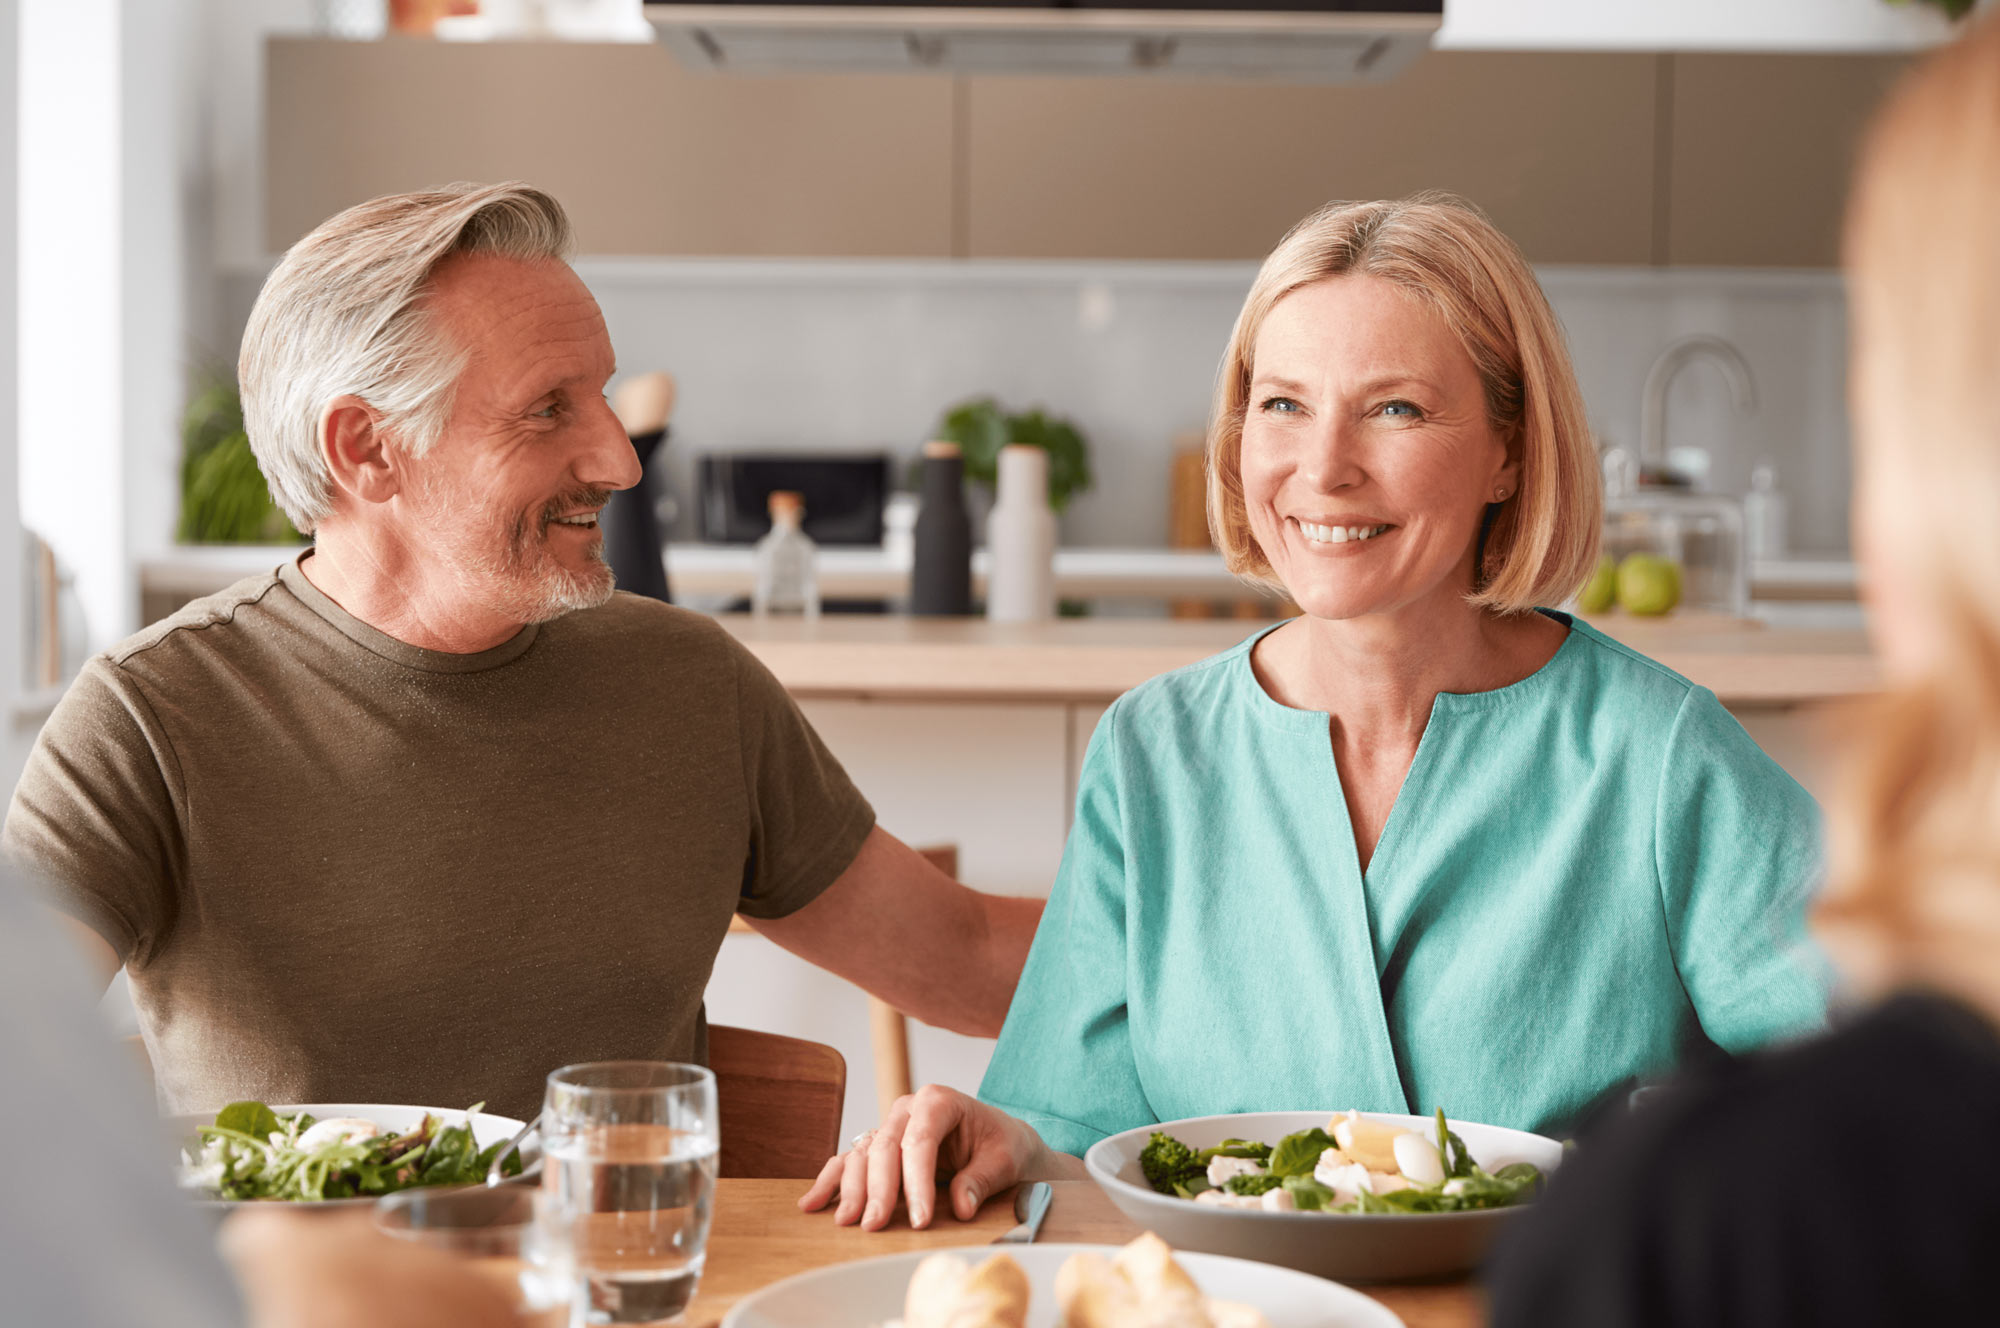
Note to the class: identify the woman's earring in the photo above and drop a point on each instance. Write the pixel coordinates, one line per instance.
(1499, 495)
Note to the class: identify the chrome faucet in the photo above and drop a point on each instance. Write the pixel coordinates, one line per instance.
(1653, 401)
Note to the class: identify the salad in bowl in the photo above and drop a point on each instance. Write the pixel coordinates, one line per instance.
(1353, 1164)
(320, 1154)
(1356, 1196)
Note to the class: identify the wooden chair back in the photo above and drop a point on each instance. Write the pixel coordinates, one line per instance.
(780, 1100)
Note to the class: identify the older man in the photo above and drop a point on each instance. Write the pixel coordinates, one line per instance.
(431, 810)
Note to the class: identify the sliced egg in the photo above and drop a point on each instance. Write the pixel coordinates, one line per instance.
(1368, 1142)
(1417, 1158)
(1220, 1169)
(339, 1129)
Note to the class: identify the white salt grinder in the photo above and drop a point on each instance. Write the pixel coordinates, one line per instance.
(1021, 540)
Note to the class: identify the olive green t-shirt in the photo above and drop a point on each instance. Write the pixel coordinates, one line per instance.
(340, 868)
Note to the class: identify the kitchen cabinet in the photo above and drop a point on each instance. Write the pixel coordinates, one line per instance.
(646, 157)
(1759, 153)
(1597, 158)
(1557, 148)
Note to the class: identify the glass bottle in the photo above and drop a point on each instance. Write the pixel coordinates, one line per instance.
(1764, 513)
(787, 575)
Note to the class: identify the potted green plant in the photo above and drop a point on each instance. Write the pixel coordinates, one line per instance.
(981, 428)
(1954, 9)
(224, 499)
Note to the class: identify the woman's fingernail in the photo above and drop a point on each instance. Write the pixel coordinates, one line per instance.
(919, 1215)
(874, 1210)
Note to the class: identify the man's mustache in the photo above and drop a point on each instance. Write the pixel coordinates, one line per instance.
(573, 500)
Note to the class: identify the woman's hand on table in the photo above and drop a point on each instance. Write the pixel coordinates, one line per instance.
(930, 1134)
(335, 1270)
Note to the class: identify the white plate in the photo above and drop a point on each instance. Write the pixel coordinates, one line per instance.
(486, 1129)
(1355, 1247)
(869, 1292)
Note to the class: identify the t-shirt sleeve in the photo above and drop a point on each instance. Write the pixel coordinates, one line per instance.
(97, 813)
(1738, 859)
(1064, 1063)
(807, 820)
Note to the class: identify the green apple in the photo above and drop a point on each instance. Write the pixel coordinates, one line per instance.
(1601, 590)
(1648, 584)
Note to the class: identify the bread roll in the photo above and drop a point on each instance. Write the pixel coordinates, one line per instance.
(945, 1293)
(1142, 1287)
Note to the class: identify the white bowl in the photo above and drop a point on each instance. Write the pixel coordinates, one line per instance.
(486, 1129)
(1354, 1247)
(869, 1292)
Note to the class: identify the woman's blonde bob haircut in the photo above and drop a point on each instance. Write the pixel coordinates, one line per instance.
(1916, 836)
(1541, 544)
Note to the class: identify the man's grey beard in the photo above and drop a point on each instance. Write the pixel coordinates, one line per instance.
(526, 583)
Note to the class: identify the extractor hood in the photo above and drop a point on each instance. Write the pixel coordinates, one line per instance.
(1309, 41)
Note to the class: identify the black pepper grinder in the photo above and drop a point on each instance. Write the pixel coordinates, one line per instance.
(941, 567)
(632, 543)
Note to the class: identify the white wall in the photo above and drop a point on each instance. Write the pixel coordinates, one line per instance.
(114, 263)
(15, 734)
(234, 149)
(864, 356)
(1689, 25)
(72, 461)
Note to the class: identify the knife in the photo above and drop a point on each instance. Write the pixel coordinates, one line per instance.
(1031, 1205)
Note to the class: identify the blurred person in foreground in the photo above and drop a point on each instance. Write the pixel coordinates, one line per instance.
(1433, 843)
(1856, 1179)
(92, 1232)
(429, 810)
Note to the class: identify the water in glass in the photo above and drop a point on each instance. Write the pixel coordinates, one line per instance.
(631, 1199)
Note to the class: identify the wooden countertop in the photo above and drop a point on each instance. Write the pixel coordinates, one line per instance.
(1094, 660)
(1088, 661)
(760, 1236)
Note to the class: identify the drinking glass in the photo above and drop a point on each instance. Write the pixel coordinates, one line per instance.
(628, 1172)
(496, 1229)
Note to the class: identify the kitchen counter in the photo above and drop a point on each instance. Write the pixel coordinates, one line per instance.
(728, 571)
(1094, 660)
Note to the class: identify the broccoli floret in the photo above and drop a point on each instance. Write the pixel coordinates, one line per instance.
(1254, 1183)
(1166, 1160)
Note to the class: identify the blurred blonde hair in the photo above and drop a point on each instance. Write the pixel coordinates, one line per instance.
(1541, 544)
(1916, 839)
(343, 314)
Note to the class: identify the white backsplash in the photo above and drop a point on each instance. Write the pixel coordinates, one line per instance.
(863, 355)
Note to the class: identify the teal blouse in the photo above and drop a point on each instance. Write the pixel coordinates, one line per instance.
(1581, 872)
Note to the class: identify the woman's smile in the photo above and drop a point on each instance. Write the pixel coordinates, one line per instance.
(1336, 534)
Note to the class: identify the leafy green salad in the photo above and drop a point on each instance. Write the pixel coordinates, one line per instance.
(253, 1152)
(1362, 1166)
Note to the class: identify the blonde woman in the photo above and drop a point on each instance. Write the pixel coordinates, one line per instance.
(1856, 1180)
(1426, 845)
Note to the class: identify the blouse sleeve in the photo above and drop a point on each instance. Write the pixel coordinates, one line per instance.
(1738, 859)
(1064, 1063)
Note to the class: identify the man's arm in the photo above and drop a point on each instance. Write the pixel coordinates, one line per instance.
(901, 929)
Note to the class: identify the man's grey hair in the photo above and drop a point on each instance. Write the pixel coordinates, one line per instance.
(344, 314)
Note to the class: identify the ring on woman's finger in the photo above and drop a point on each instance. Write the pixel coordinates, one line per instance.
(860, 1141)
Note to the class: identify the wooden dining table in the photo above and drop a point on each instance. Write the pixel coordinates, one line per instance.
(760, 1236)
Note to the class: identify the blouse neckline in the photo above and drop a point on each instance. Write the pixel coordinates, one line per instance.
(1550, 674)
